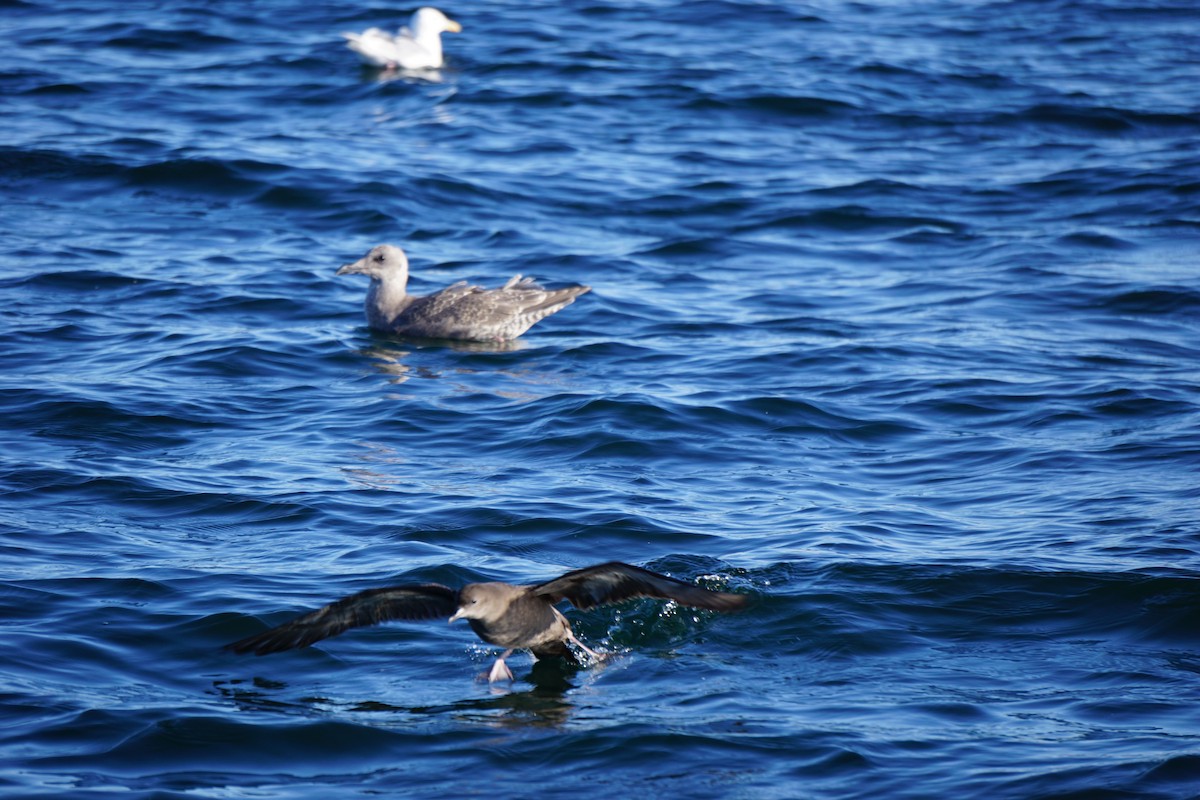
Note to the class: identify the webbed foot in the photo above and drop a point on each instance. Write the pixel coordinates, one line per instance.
(500, 670)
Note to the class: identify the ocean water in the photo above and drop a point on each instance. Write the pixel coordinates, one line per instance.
(895, 327)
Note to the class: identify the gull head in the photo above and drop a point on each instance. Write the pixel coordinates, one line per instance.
(385, 260)
(429, 20)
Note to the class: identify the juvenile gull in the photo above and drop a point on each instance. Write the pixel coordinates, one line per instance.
(460, 311)
(512, 617)
(418, 46)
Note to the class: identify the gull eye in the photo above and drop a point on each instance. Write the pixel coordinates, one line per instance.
(380, 258)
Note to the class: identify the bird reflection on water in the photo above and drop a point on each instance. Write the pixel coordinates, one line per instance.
(390, 361)
(545, 704)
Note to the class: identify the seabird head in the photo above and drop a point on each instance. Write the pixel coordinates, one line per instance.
(485, 601)
(383, 261)
(429, 20)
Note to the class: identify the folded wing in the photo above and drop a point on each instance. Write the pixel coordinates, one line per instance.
(464, 311)
(379, 49)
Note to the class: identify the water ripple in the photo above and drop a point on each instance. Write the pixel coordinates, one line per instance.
(893, 329)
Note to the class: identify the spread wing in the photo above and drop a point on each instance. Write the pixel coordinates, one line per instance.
(614, 582)
(422, 601)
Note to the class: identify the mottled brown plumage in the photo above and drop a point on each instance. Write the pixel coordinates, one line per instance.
(512, 617)
(460, 311)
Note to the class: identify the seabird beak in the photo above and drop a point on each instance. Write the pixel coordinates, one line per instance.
(460, 614)
(452, 26)
(350, 269)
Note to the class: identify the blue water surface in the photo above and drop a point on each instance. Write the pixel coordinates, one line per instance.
(895, 327)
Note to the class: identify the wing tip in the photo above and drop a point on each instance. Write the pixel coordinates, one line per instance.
(257, 644)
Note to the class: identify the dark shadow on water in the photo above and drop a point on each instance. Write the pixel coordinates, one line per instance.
(545, 704)
(461, 345)
(389, 359)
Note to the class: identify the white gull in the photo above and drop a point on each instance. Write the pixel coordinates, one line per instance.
(417, 46)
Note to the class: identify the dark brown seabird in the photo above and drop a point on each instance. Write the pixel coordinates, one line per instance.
(460, 311)
(512, 617)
